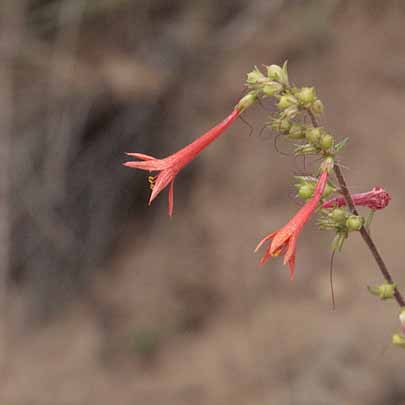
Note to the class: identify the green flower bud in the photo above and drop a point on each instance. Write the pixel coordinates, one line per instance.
(384, 291)
(281, 124)
(297, 131)
(277, 73)
(306, 191)
(317, 107)
(326, 141)
(398, 340)
(313, 135)
(272, 89)
(246, 101)
(290, 112)
(338, 215)
(274, 72)
(255, 76)
(306, 96)
(285, 125)
(354, 223)
(305, 150)
(286, 101)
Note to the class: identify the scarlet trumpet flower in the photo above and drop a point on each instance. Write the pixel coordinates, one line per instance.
(284, 240)
(376, 199)
(171, 165)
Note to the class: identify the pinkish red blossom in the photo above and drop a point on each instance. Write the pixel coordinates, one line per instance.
(376, 199)
(284, 241)
(171, 165)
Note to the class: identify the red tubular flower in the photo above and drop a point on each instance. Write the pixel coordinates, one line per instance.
(376, 199)
(171, 165)
(284, 240)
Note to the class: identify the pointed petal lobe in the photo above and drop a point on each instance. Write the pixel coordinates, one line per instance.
(141, 156)
(171, 194)
(161, 181)
(151, 165)
(291, 265)
(264, 240)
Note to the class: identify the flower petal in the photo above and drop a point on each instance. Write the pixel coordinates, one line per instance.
(292, 244)
(265, 257)
(282, 237)
(141, 156)
(161, 182)
(171, 194)
(291, 265)
(264, 240)
(151, 165)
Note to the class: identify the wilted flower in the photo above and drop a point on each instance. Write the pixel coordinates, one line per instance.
(376, 199)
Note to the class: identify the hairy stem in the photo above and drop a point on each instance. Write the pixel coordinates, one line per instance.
(363, 231)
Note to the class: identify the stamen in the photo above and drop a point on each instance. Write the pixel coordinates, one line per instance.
(151, 181)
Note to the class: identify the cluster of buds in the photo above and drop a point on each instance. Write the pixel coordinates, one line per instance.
(292, 104)
(268, 85)
(342, 222)
(317, 141)
(306, 185)
(293, 100)
(385, 291)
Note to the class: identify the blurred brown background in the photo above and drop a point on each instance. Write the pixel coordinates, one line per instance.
(107, 301)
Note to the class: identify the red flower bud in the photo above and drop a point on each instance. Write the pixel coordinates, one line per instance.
(376, 199)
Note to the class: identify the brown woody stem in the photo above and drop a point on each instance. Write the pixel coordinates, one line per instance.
(363, 231)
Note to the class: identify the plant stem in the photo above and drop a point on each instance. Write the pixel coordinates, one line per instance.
(363, 231)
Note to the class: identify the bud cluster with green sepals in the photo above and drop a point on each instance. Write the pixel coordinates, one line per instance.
(308, 99)
(256, 77)
(383, 291)
(287, 105)
(291, 102)
(280, 125)
(354, 223)
(271, 84)
(342, 222)
(278, 73)
(306, 186)
(334, 219)
(297, 131)
(318, 141)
